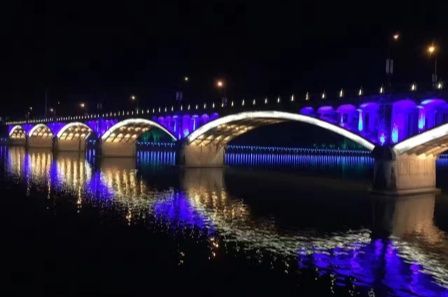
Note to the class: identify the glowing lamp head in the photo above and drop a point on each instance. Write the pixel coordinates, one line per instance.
(396, 36)
(432, 49)
(133, 97)
(219, 84)
(82, 105)
(186, 78)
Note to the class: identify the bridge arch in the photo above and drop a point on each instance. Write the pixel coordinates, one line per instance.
(40, 136)
(243, 122)
(205, 146)
(432, 142)
(120, 139)
(17, 135)
(72, 137)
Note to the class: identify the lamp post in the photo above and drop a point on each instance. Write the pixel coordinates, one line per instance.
(432, 51)
(83, 107)
(220, 85)
(389, 60)
(134, 99)
(30, 109)
(182, 87)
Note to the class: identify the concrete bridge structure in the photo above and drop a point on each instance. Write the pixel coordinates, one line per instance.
(405, 133)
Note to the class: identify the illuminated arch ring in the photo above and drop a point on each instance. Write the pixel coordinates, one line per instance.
(39, 126)
(74, 124)
(127, 122)
(16, 127)
(282, 116)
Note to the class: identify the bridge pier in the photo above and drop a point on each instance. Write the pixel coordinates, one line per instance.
(192, 155)
(403, 174)
(17, 141)
(40, 142)
(118, 149)
(72, 145)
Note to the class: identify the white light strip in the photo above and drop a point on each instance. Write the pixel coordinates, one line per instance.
(282, 116)
(71, 125)
(15, 128)
(36, 127)
(135, 121)
(417, 140)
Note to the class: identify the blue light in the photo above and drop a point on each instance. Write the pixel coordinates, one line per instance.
(395, 134)
(421, 119)
(360, 121)
(382, 139)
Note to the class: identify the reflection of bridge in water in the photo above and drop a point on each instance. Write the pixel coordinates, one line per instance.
(414, 252)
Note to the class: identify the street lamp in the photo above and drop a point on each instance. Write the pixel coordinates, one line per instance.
(432, 51)
(220, 86)
(134, 99)
(186, 78)
(28, 114)
(390, 60)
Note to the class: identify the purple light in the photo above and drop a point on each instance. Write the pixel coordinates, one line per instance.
(308, 110)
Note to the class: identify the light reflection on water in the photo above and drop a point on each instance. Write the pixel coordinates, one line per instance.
(401, 252)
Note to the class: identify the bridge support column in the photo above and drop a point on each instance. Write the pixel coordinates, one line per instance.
(72, 145)
(403, 174)
(17, 141)
(40, 142)
(210, 155)
(118, 149)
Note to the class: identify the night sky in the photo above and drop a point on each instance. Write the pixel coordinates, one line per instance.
(103, 52)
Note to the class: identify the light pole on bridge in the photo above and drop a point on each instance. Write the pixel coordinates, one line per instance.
(390, 60)
(432, 51)
(220, 85)
(134, 99)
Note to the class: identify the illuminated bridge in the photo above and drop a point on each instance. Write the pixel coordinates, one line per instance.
(405, 133)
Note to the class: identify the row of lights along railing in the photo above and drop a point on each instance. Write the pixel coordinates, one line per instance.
(193, 107)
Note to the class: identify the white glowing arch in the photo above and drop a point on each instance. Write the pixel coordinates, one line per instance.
(281, 116)
(135, 121)
(30, 133)
(420, 139)
(72, 124)
(14, 129)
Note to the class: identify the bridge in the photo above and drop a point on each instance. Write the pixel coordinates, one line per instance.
(405, 132)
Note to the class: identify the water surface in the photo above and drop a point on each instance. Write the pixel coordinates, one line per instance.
(80, 226)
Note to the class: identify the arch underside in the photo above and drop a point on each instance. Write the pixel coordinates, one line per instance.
(17, 132)
(73, 136)
(432, 142)
(221, 131)
(127, 134)
(128, 131)
(73, 131)
(40, 136)
(120, 140)
(223, 134)
(41, 130)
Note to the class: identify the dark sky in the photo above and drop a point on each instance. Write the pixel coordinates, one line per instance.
(105, 51)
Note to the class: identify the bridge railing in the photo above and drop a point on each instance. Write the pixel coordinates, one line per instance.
(291, 102)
